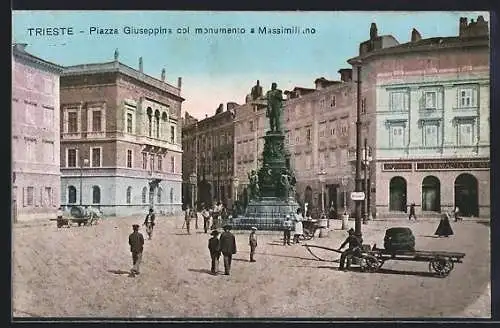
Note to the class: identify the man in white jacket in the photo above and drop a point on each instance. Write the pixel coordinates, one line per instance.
(299, 231)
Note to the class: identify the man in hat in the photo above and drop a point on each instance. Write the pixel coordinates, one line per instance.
(214, 248)
(227, 247)
(252, 241)
(299, 228)
(136, 242)
(354, 249)
(149, 222)
(287, 227)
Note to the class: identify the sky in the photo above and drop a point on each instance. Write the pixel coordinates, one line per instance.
(218, 68)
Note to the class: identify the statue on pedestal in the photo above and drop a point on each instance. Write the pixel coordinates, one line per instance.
(288, 182)
(256, 91)
(254, 184)
(274, 107)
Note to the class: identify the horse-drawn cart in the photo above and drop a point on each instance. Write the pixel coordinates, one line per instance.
(371, 259)
(80, 215)
(309, 228)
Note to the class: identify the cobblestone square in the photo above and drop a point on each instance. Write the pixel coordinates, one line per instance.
(83, 272)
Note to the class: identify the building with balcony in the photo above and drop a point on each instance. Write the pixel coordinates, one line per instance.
(120, 139)
(427, 116)
(208, 154)
(319, 131)
(35, 136)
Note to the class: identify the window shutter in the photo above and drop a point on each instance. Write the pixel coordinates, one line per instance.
(439, 100)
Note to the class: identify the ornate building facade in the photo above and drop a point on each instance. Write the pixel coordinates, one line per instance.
(35, 136)
(427, 113)
(120, 139)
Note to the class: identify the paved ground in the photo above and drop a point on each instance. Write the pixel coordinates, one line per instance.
(82, 271)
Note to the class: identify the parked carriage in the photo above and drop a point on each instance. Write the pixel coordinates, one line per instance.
(80, 215)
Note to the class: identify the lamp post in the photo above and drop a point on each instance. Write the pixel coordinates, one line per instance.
(323, 225)
(236, 182)
(192, 181)
(358, 187)
(366, 162)
(84, 162)
(345, 181)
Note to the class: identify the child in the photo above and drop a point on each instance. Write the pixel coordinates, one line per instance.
(252, 241)
(214, 248)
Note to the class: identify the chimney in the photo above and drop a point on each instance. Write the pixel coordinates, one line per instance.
(415, 36)
(163, 75)
(179, 82)
(319, 83)
(462, 27)
(140, 64)
(373, 31)
(345, 74)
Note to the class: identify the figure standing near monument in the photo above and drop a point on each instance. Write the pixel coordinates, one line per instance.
(274, 107)
(285, 182)
(254, 184)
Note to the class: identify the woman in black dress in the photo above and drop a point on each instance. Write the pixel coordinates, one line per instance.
(444, 227)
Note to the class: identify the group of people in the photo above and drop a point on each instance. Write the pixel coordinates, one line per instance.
(298, 228)
(216, 215)
(225, 245)
(444, 228)
(136, 241)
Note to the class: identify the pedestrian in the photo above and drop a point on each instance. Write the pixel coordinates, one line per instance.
(194, 215)
(444, 227)
(332, 213)
(299, 229)
(412, 212)
(287, 227)
(214, 248)
(227, 247)
(149, 222)
(206, 219)
(187, 219)
(456, 213)
(136, 242)
(252, 241)
(354, 249)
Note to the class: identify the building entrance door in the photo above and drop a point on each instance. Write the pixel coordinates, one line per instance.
(466, 195)
(431, 194)
(397, 194)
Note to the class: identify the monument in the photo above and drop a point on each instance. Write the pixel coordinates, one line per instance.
(272, 187)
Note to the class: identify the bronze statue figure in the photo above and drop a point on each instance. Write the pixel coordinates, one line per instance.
(274, 107)
(256, 91)
(254, 184)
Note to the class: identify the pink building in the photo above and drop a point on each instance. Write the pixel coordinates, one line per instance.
(36, 175)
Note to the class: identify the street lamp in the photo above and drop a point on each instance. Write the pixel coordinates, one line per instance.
(366, 162)
(236, 182)
(345, 181)
(84, 162)
(358, 187)
(192, 180)
(321, 175)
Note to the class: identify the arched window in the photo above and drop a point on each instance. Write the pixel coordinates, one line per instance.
(96, 195)
(397, 194)
(151, 195)
(157, 123)
(150, 121)
(159, 195)
(71, 195)
(171, 195)
(144, 194)
(129, 195)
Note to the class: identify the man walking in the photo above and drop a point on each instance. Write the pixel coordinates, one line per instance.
(354, 249)
(206, 219)
(287, 227)
(214, 248)
(187, 219)
(149, 222)
(136, 242)
(412, 212)
(227, 247)
(252, 241)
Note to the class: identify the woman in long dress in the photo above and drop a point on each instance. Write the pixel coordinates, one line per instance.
(444, 227)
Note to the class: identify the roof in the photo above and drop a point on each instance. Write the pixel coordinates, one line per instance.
(118, 67)
(429, 44)
(18, 50)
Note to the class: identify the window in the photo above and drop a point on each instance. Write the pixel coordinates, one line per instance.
(96, 121)
(48, 197)
(159, 163)
(48, 151)
(129, 158)
(30, 113)
(157, 126)
(129, 122)
(30, 194)
(172, 134)
(397, 136)
(287, 138)
(71, 158)
(150, 122)
(151, 195)
(332, 158)
(466, 97)
(297, 136)
(71, 195)
(363, 106)
(96, 195)
(96, 157)
(172, 164)
(144, 194)
(332, 131)
(72, 122)
(398, 101)
(465, 135)
(129, 195)
(144, 161)
(308, 135)
(171, 195)
(151, 163)
(251, 126)
(430, 135)
(333, 101)
(430, 100)
(30, 149)
(48, 117)
(158, 196)
(308, 162)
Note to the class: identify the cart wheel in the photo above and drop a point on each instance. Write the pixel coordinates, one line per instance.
(441, 267)
(370, 263)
